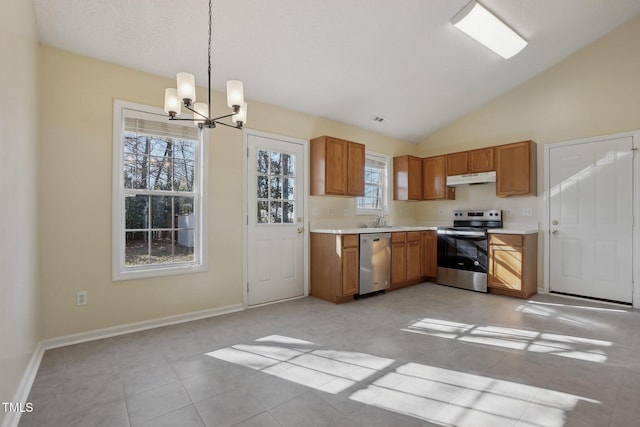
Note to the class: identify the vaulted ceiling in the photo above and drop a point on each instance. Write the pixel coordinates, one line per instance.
(346, 60)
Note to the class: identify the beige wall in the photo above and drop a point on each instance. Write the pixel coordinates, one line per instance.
(76, 176)
(19, 291)
(594, 92)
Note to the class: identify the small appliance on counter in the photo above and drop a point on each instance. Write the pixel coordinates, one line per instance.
(462, 249)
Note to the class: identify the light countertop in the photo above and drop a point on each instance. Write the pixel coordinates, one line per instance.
(363, 230)
(398, 228)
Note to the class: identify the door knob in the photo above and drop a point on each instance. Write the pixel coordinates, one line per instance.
(555, 232)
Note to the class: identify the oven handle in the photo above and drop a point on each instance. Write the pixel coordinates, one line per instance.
(463, 234)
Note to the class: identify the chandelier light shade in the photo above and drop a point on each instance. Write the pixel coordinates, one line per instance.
(172, 104)
(201, 111)
(235, 95)
(186, 88)
(241, 115)
(481, 25)
(184, 95)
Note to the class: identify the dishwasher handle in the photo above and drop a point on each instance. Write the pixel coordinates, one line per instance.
(375, 237)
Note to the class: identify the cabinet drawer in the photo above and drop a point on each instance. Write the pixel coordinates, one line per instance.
(400, 237)
(413, 236)
(350, 240)
(506, 239)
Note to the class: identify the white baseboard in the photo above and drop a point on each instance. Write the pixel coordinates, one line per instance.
(137, 326)
(24, 388)
(12, 419)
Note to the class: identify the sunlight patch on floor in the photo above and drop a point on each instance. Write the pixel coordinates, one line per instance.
(518, 339)
(548, 309)
(331, 371)
(437, 395)
(455, 398)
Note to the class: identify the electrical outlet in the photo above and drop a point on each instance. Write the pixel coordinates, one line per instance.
(508, 212)
(346, 212)
(315, 212)
(441, 212)
(330, 211)
(81, 298)
(527, 212)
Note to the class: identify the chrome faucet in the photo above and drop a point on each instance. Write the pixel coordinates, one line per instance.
(378, 222)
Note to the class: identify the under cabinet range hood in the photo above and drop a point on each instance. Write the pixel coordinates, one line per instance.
(471, 178)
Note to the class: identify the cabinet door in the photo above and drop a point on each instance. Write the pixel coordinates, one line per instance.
(434, 178)
(407, 178)
(350, 271)
(336, 166)
(457, 163)
(414, 264)
(505, 267)
(429, 253)
(415, 178)
(398, 263)
(355, 169)
(516, 173)
(481, 160)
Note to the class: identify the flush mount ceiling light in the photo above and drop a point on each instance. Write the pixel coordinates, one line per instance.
(185, 95)
(481, 25)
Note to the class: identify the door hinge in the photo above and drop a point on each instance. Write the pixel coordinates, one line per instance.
(247, 152)
(247, 287)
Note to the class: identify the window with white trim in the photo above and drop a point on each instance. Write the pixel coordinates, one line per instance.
(376, 185)
(157, 202)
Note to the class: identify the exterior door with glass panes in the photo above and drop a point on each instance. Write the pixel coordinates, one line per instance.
(275, 219)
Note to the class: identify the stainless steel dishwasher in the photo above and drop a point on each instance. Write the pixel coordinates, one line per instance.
(375, 262)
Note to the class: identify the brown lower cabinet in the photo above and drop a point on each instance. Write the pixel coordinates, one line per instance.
(513, 266)
(406, 259)
(335, 266)
(429, 253)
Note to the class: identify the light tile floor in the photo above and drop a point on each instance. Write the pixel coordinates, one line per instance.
(422, 356)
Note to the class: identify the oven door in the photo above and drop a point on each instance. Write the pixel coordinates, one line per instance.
(462, 249)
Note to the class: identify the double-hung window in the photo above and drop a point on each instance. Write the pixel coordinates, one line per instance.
(157, 200)
(376, 185)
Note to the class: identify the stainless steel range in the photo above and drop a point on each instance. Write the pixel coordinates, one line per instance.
(462, 249)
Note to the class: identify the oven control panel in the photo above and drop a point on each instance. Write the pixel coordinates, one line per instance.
(478, 215)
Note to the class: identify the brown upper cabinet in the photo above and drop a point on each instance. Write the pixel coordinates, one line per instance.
(516, 169)
(407, 178)
(481, 160)
(337, 167)
(434, 179)
(458, 163)
(474, 161)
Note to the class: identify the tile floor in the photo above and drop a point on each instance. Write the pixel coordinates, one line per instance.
(423, 356)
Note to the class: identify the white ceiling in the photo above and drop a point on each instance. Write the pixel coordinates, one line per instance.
(346, 60)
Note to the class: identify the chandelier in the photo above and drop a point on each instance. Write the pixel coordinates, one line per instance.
(185, 95)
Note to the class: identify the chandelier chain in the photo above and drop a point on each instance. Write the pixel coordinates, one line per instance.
(185, 95)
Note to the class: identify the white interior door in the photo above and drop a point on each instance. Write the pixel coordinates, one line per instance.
(591, 218)
(275, 231)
